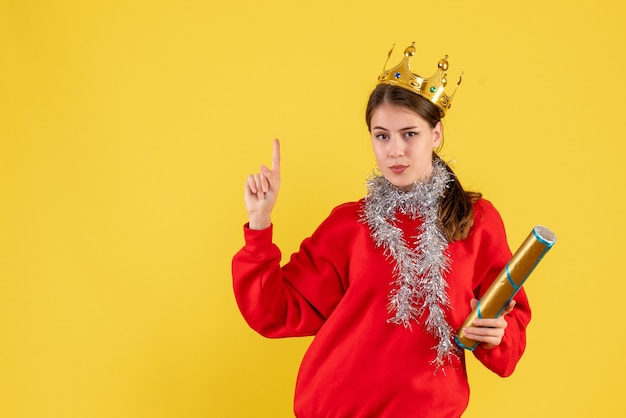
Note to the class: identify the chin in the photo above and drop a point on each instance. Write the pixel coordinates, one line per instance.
(401, 181)
(401, 185)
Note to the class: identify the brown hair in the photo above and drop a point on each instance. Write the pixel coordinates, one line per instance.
(455, 212)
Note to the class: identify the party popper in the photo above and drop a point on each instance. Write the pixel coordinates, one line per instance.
(509, 281)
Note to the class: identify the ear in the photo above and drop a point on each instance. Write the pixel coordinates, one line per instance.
(437, 135)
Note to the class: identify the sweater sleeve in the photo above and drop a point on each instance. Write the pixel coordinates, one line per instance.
(503, 358)
(294, 299)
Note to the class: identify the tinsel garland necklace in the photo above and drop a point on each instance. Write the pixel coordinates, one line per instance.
(419, 283)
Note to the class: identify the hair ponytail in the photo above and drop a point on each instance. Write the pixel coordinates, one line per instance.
(456, 208)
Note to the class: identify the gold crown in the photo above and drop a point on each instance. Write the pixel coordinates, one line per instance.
(432, 88)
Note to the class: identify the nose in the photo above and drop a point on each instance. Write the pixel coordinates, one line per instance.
(396, 147)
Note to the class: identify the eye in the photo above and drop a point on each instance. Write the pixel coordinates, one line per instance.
(382, 137)
(410, 134)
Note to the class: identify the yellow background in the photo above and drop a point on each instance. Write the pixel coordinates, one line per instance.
(127, 129)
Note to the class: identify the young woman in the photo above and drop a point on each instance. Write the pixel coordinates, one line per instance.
(384, 283)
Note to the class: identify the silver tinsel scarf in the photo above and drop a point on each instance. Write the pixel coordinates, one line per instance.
(419, 283)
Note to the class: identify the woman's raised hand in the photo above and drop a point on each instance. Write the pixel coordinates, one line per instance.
(261, 192)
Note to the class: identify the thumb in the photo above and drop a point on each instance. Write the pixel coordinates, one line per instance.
(509, 307)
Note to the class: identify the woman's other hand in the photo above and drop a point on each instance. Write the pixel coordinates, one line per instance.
(488, 331)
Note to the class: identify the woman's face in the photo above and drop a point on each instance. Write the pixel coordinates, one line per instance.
(403, 143)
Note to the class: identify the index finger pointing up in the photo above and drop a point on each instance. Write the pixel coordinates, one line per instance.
(276, 156)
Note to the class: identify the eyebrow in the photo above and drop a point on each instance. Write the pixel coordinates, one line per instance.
(408, 128)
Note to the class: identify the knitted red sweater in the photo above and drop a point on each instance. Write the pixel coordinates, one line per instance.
(336, 287)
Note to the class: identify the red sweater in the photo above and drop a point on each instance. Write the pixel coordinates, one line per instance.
(336, 287)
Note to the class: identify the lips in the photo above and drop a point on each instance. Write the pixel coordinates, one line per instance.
(398, 169)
